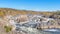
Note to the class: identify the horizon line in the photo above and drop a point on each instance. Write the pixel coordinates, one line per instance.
(32, 10)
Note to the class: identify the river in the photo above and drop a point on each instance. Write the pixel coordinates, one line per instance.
(30, 28)
(53, 31)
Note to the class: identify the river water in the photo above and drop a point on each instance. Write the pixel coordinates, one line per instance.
(53, 31)
(30, 28)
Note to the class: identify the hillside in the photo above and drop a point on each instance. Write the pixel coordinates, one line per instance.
(5, 11)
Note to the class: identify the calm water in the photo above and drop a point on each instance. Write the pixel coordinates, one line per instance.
(56, 31)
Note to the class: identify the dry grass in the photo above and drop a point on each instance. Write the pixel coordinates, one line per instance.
(8, 11)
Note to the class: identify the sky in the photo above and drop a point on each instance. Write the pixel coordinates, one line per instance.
(35, 5)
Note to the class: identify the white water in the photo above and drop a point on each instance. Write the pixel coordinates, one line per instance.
(29, 29)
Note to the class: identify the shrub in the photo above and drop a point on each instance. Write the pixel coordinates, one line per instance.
(8, 28)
